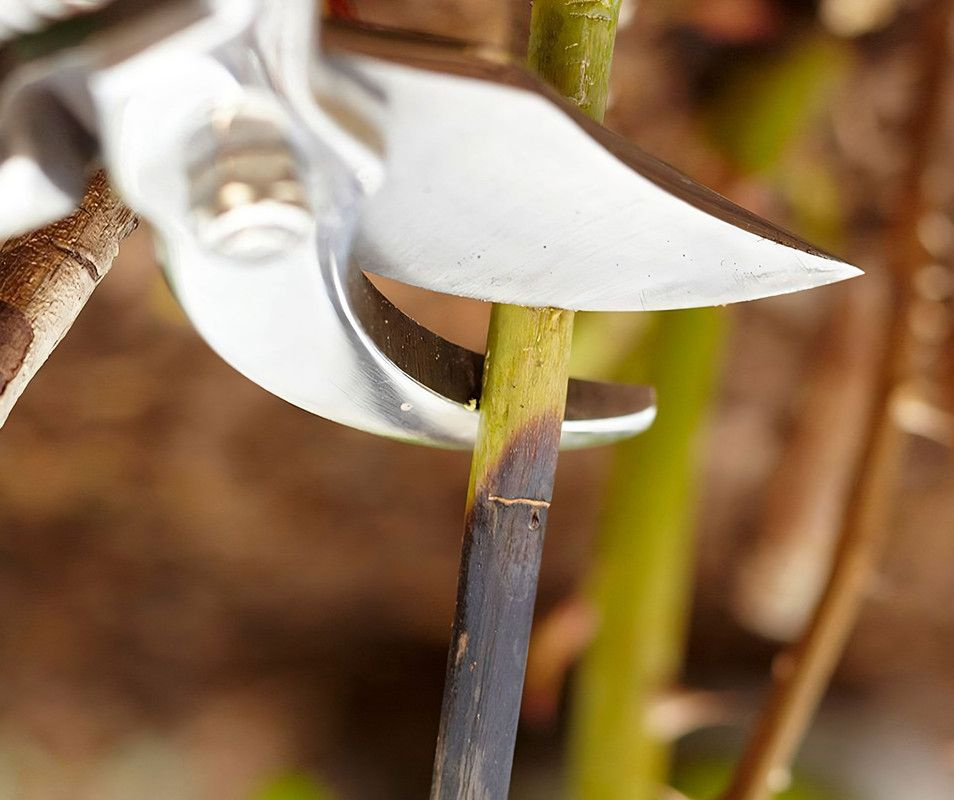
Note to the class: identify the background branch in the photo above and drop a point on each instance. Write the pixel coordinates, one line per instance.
(802, 674)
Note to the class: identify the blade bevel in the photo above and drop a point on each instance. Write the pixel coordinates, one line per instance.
(498, 190)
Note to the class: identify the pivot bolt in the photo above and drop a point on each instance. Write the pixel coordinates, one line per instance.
(246, 193)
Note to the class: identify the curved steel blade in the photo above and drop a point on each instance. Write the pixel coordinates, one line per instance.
(305, 324)
(497, 189)
(319, 335)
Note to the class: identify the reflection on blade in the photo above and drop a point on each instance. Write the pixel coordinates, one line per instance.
(498, 190)
(319, 336)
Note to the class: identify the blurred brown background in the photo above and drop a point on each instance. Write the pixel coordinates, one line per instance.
(203, 588)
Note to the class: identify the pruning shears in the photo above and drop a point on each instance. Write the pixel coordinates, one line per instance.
(279, 158)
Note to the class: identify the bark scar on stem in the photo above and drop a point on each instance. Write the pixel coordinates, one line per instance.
(461, 647)
(81, 259)
(518, 501)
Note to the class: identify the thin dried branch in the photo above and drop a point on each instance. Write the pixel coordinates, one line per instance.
(782, 576)
(47, 276)
(802, 674)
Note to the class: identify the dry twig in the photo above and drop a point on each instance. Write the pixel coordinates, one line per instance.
(803, 674)
(47, 276)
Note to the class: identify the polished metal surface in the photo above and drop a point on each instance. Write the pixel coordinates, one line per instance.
(293, 328)
(48, 128)
(245, 184)
(424, 160)
(305, 324)
(503, 192)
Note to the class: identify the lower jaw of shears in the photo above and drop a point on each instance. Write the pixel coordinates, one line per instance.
(313, 330)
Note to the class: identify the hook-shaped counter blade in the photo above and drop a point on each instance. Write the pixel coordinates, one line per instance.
(303, 321)
(498, 189)
(318, 334)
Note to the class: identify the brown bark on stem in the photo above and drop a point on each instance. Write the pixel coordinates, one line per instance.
(47, 276)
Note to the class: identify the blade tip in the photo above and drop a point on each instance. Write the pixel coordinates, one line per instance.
(836, 270)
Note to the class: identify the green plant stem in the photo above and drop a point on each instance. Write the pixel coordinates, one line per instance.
(643, 570)
(571, 48)
(511, 483)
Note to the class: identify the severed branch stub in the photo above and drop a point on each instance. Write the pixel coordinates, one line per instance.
(511, 482)
(47, 276)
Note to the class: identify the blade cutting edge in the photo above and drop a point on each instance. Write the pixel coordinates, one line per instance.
(496, 190)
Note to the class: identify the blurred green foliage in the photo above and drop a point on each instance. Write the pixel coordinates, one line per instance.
(643, 572)
(708, 778)
(766, 103)
(293, 787)
(763, 120)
